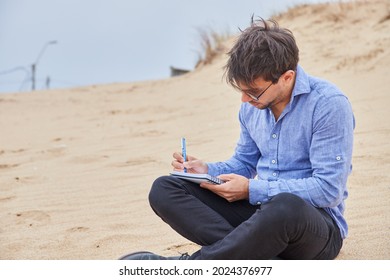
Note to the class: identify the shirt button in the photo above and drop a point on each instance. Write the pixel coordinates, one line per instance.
(258, 203)
(274, 174)
(273, 161)
(274, 135)
(338, 158)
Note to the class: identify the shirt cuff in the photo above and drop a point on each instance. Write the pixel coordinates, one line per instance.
(212, 169)
(258, 191)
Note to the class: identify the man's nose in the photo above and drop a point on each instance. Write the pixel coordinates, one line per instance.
(245, 98)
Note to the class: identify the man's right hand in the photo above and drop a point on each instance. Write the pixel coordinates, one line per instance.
(192, 164)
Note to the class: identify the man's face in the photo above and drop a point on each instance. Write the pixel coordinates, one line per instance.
(264, 94)
(256, 94)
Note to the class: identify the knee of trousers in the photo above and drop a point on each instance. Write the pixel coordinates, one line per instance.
(159, 193)
(287, 207)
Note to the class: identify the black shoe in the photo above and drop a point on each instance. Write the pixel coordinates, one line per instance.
(144, 255)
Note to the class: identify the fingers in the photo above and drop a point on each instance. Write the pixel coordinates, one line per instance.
(192, 164)
(179, 164)
(196, 166)
(227, 177)
(235, 188)
(178, 157)
(219, 190)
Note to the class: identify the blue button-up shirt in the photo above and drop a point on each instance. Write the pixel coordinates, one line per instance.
(306, 152)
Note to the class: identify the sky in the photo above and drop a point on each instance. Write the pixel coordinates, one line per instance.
(84, 42)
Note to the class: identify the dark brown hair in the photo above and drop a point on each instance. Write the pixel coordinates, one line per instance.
(262, 50)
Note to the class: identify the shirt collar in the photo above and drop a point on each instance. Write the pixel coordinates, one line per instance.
(302, 84)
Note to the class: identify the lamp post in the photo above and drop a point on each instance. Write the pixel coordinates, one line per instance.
(34, 65)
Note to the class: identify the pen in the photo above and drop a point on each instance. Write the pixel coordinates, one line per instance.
(184, 150)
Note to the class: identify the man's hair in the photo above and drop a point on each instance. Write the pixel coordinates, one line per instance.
(262, 50)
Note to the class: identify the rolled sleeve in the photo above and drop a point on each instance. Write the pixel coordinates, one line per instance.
(258, 191)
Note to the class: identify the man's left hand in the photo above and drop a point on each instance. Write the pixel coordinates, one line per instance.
(236, 187)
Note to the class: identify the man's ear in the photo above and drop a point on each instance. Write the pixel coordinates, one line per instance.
(288, 76)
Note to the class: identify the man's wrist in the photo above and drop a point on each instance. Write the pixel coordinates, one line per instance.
(257, 191)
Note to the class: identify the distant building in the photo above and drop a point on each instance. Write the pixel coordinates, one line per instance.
(177, 71)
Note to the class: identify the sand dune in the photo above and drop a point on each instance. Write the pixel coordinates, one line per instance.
(76, 165)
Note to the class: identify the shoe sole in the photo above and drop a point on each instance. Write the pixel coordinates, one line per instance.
(126, 257)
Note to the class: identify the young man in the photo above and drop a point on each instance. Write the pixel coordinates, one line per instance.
(286, 181)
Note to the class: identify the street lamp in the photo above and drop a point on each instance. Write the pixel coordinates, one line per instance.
(34, 65)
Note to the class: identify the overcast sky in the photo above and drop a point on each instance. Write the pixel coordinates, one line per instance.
(106, 41)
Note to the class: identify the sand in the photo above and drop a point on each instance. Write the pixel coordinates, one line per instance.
(76, 165)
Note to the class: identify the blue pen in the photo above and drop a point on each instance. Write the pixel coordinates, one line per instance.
(184, 150)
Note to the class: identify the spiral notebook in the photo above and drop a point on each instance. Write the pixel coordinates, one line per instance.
(197, 178)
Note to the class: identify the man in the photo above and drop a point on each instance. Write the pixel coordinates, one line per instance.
(286, 181)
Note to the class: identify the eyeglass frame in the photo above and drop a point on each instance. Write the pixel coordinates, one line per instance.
(257, 97)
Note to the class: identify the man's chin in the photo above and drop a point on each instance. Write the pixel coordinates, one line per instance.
(258, 105)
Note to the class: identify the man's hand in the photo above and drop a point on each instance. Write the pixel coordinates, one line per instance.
(192, 164)
(235, 188)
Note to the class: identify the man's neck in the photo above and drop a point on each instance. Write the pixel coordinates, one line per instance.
(278, 108)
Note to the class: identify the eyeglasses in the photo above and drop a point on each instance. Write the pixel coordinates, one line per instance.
(258, 96)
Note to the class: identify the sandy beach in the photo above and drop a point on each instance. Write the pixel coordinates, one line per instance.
(76, 164)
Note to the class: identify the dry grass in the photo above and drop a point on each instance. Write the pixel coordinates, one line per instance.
(212, 43)
(331, 12)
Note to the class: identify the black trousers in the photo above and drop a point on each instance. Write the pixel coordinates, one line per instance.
(286, 227)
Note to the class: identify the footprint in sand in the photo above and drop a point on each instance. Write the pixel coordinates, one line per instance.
(114, 239)
(33, 218)
(89, 159)
(56, 151)
(148, 133)
(183, 248)
(134, 162)
(7, 198)
(77, 229)
(8, 166)
(28, 179)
